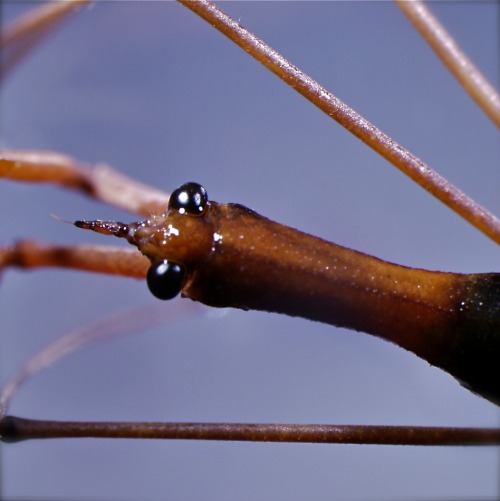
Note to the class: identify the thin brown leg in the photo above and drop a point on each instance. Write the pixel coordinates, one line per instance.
(396, 154)
(15, 429)
(462, 68)
(99, 259)
(99, 181)
(25, 34)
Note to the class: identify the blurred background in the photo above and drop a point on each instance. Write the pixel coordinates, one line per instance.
(154, 91)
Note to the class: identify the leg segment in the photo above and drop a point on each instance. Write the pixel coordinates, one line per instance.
(99, 259)
(99, 181)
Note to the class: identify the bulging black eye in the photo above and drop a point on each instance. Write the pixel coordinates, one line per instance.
(165, 279)
(190, 198)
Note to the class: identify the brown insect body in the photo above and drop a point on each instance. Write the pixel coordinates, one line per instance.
(237, 258)
(250, 370)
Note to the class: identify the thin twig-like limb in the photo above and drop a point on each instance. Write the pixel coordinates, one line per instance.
(14, 429)
(95, 258)
(25, 34)
(99, 181)
(408, 163)
(117, 324)
(45, 16)
(445, 47)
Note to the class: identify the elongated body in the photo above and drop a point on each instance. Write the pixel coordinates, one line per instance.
(229, 256)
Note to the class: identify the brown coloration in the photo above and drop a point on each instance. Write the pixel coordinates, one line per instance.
(98, 181)
(451, 320)
(163, 237)
(117, 229)
(236, 258)
(282, 431)
(23, 35)
(98, 259)
(14, 429)
(463, 69)
(372, 136)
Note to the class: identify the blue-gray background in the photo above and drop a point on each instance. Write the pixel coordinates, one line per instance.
(157, 93)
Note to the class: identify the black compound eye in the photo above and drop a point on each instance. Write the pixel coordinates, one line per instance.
(190, 198)
(165, 279)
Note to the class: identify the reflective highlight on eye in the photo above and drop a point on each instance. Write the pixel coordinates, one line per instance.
(165, 279)
(190, 198)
